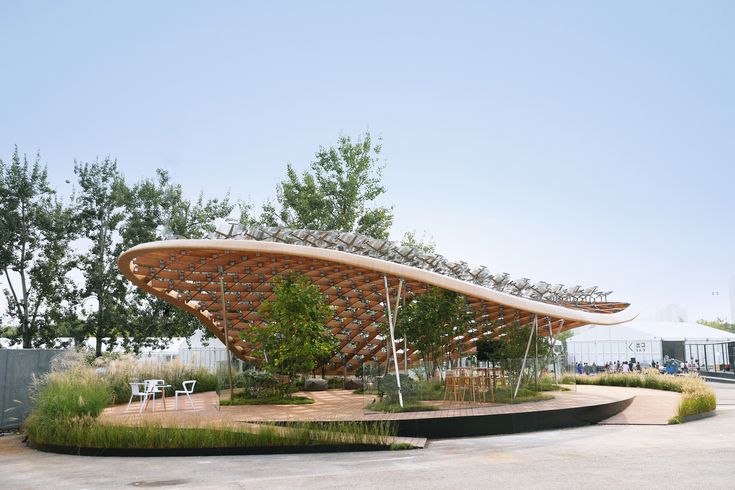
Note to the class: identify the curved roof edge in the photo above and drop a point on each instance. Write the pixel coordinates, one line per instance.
(404, 271)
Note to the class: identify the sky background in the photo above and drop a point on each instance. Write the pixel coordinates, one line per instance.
(576, 142)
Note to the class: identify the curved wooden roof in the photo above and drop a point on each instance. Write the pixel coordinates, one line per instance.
(185, 274)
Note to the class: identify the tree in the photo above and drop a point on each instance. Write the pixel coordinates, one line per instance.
(156, 207)
(431, 321)
(35, 232)
(514, 344)
(720, 324)
(294, 335)
(100, 212)
(426, 245)
(337, 194)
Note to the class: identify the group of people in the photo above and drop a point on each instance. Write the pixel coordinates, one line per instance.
(629, 366)
(609, 367)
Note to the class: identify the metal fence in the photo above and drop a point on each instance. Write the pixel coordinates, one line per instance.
(17, 369)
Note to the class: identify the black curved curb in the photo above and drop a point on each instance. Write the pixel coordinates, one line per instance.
(509, 423)
(208, 451)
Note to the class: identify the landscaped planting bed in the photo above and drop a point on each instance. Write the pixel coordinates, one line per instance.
(697, 397)
(70, 399)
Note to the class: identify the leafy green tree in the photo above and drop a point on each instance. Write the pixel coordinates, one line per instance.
(100, 213)
(431, 321)
(513, 348)
(720, 324)
(337, 194)
(155, 209)
(35, 232)
(515, 340)
(294, 336)
(426, 245)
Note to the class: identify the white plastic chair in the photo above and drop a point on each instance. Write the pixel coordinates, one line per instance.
(135, 390)
(186, 391)
(154, 387)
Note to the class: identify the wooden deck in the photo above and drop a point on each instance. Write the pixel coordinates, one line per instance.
(649, 407)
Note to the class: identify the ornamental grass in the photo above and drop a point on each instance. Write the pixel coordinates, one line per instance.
(696, 398)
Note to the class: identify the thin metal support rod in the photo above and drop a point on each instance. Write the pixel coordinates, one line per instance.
(393, 339)
(553, 345)
(523, 365)
(224, 323)
(391, 347)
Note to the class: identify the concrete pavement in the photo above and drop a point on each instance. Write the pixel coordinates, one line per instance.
(697, 454)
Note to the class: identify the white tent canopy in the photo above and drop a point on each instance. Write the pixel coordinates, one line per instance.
(639, 330)
(646, 342)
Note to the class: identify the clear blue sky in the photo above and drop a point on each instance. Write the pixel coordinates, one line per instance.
(575, 142)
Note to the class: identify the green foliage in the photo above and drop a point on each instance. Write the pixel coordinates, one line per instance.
(117, 372)
(294, 336)
(156, 209)
(425, 245)
(515, 341)
(720, 324)
(35, 232)
(277, 400)
(388, 388)
(697, 401)
(71, 395)
(337, 194)
(525, 394)
(489, 349)
(395, 407)
(697, 397)
(150, 435)
(99, 215)
(261, 385)
(431, 321)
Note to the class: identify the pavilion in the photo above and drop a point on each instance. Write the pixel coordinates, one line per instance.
(224, 279)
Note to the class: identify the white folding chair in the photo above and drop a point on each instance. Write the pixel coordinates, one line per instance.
(143, 395)
(186, 391)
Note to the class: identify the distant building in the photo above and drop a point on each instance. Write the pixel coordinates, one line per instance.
(645, 342)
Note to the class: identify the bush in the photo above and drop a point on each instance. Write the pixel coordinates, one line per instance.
(262, 385)
(335, 383)
(388, 388)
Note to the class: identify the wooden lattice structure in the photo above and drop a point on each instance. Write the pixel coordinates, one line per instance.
(186, 273)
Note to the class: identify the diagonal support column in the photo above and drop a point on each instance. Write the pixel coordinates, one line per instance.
(393, 338)
(525, 356)
(390, 347)
(220, 269)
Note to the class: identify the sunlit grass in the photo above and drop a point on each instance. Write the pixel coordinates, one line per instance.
(696, 398)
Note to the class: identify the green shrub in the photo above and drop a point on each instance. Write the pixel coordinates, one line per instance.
(289, 400)
(410, 406)
(388, 388)
(336, 383)
(262, 385)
